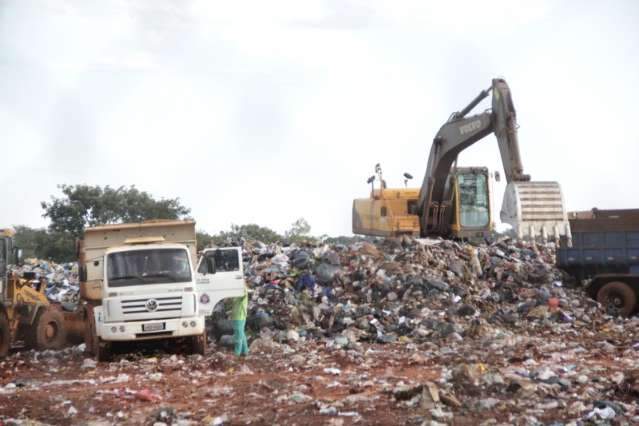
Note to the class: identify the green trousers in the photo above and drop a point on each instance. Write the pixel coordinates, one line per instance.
(241, 346)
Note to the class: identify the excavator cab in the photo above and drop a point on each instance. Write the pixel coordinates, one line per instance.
(464, 211)
(471, 206)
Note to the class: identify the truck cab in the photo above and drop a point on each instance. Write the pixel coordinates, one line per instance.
(148, 292)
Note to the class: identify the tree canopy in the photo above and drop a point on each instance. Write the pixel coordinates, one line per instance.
(299, 230)
(85, 205)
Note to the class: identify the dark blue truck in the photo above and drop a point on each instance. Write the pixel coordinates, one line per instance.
(605, 249)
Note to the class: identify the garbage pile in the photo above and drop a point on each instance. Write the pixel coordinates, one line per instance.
(416, 332)
(410, 290)
(62, 279)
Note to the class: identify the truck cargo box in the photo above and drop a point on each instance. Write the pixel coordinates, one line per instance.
(603, 241)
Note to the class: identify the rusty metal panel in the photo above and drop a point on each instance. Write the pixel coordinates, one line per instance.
(596, 220)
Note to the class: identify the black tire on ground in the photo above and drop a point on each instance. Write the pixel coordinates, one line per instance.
(617, 298)
(5, 335)
(94, 346)
(48, 329)
(103, 351)
(90, 336)
(199, 344)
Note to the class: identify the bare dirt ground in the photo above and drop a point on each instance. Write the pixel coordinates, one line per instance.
(318, 383)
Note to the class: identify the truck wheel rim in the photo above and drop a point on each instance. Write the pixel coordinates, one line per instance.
(614, 305)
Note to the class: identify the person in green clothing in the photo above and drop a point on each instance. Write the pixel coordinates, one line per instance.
(238, 315)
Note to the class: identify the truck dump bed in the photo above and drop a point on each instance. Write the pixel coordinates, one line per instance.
(603, 241)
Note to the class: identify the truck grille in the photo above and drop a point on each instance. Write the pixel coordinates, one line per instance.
(166, 305)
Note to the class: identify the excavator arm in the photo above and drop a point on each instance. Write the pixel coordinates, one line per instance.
(504, 120)
(536, 201)
(452, 138)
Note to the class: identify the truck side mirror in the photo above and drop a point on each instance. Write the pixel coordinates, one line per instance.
(210, 265)
(497, 176)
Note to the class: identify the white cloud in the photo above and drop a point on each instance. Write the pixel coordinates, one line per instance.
(268, 111)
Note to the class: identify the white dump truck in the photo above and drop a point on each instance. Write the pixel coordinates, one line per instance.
(139, 282)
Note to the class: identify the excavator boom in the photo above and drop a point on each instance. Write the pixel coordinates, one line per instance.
(532, 208)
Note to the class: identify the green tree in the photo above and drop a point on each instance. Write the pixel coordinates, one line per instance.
(39, 243)
(204, 240)
(27, 239)
(83, 205)
(252, 231)
(299, 230)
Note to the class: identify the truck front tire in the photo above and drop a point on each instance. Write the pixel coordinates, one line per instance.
(94, 346)
(5, 335)
(199, 344)
(617, 298)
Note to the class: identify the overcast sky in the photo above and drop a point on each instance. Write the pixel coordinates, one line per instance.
(268, 111)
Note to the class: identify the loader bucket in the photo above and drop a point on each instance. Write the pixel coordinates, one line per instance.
(535, 210)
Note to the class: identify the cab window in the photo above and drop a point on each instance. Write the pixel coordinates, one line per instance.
(473, 197)
(225, 261)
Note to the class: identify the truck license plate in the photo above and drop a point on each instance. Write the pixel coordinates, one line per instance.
(153, 327)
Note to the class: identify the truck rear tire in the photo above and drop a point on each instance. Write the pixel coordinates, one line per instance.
(5, 335)
(199, 344)
(48, 330)
(617, 298)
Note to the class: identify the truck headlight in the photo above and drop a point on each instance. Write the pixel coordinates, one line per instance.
(204, 299)
(192, 323)
(122, 329)
(114, 329)
(185, 324)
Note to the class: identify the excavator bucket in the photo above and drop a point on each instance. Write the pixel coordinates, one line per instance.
(535, 210)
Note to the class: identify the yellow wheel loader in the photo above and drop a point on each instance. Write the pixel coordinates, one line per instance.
(25, 312)
(455, 201)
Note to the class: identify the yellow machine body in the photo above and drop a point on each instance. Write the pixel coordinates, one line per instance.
(387, 212)
(466, 213)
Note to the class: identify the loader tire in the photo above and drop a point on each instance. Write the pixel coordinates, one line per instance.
(617, 298)
(5, 335)
(48, 330)
(199, 344)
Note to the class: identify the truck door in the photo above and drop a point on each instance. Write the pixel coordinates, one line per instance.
(220, 275)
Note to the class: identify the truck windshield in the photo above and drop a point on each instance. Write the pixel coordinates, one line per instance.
(155, 266)
(473, 197)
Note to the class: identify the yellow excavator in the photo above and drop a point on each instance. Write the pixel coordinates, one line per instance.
(455, 201)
